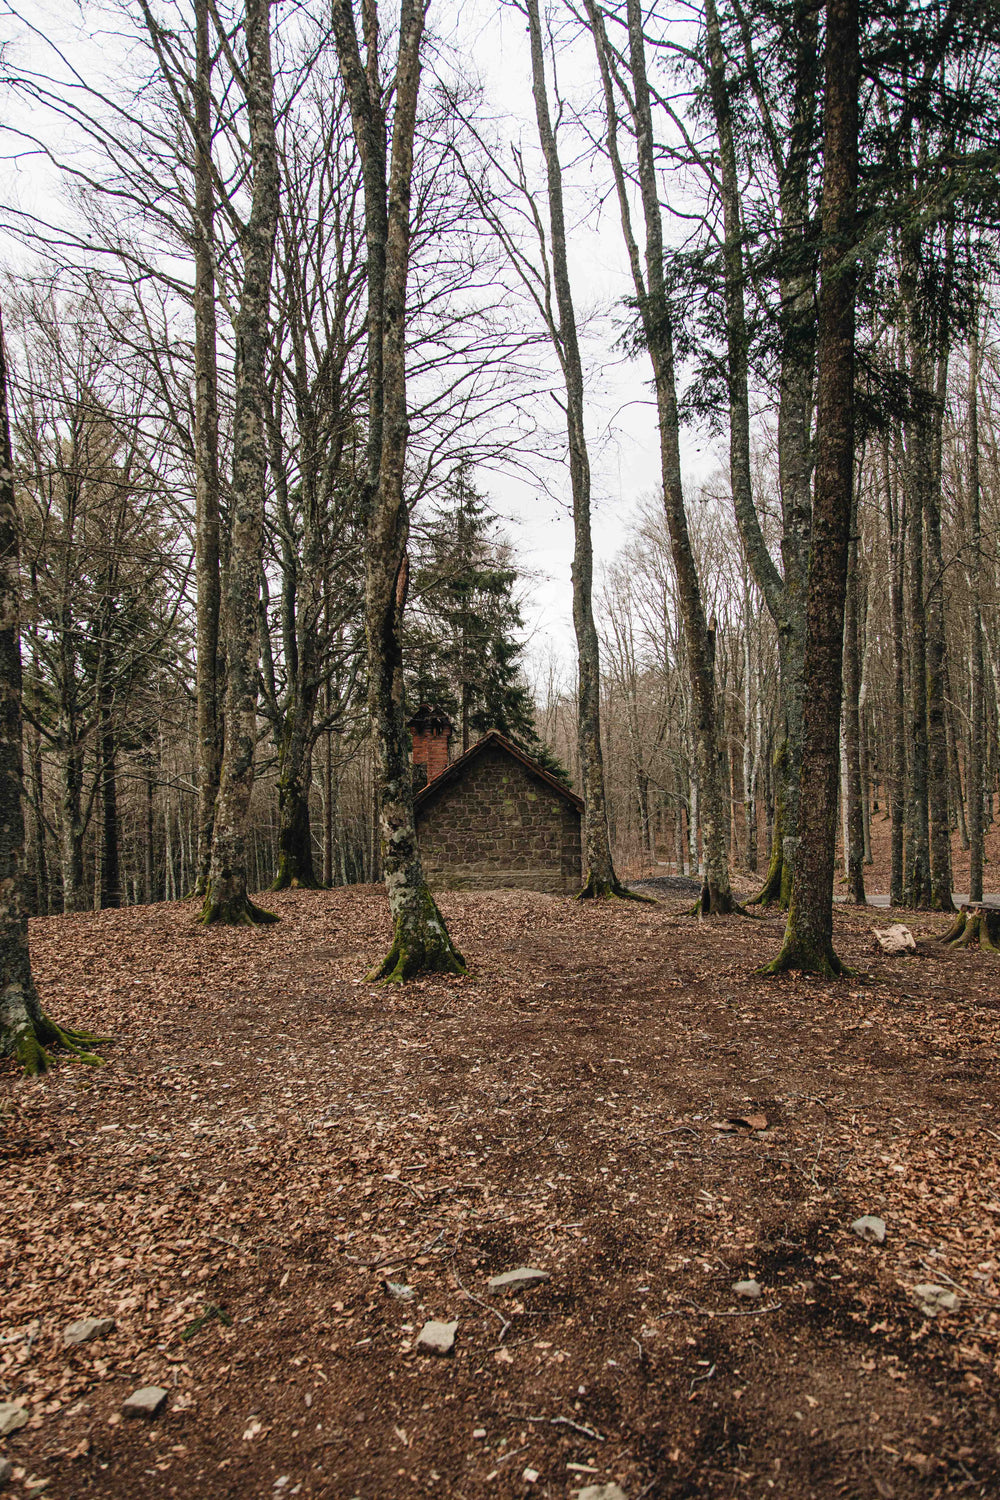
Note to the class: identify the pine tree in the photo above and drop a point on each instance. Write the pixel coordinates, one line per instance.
(464, 647)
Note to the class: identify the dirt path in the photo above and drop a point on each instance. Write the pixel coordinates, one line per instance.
(275, 1139)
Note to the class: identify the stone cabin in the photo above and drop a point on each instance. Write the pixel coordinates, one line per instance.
(493, 817)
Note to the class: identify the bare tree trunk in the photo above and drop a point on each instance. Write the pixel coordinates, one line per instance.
(206, 447)
(655, 313)
(25, 1031)
(226, 898)
(149, 892)
(894, 499)
(854, 845)
(974, 776)
(110, 889)
(420, 939)
(600, 880)
(808, 940)
(937, 728)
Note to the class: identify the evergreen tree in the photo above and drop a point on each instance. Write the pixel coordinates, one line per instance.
(464, 647)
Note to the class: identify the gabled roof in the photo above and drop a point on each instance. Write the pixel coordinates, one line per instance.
(492, 739)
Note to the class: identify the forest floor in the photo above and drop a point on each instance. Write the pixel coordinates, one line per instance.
(611, 1096)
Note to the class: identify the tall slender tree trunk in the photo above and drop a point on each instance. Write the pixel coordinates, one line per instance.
(808, 942)
(25, 1031)
(110, 862)
(600, 879)
(655, 313)
(974, 776)
(206, 447)
(854, 847)
(895, 502)
(226, 898)
(937, 724)
(420, 938)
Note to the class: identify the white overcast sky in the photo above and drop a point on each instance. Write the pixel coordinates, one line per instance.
(620, 418)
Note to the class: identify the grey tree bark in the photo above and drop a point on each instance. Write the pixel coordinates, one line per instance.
(421, 943)
(26, 1032)
(226, 898)
(655, 315)
(808, 942)
(977, 729)
(601, 879)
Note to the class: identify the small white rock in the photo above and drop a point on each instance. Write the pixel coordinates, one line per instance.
(870, 1228)
(145, 1402)
(530, 1476)
(479, 1432)
(399, 1290)
(517, 1281)
(12, 1417)
(437, 1338)
(749, 1290)
(601, 1492)
(934, 1299)
(85, 1329)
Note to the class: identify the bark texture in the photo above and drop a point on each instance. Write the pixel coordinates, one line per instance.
(206, 448)
(600, 879)
(977, 727)
(26, 1033)
(226, 898)
(655, 314)
(808, 943)
(421, 943)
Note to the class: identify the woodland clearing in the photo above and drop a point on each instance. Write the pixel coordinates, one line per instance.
(273, 1138)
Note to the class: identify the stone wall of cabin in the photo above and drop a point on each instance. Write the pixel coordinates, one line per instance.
(500, 826)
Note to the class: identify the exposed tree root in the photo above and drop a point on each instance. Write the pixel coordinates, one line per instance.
(955, 931)
(285, 880)
(37, 1042)
(773, 892)
(420, 945)
(975, 924)
(597, 889)
(715, 903)
(238, 911)
(806, 960)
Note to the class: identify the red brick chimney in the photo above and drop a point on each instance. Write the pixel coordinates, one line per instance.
(431, 731)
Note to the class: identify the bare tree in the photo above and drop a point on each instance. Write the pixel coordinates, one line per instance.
(226, 898)
(808, 942)
(420, 938)
(26, 1032)
(657, 327)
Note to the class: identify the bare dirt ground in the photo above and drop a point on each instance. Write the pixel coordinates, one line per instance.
(273, 1138)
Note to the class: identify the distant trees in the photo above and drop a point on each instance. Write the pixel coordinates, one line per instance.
(294, 301)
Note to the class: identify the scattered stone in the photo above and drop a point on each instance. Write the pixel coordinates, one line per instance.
(601, 1492)
(895, 939)
(517, 1281)
(12, 1417)
(934, 1299)
(85, 1329)
(870, 1228)
(750, 1290)
(145, 1402)
(437, 1338)
(6, 1470)
(479, 1432)
(399, 1290)
(530, 1476)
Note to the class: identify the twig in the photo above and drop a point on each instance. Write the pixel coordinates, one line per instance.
(710, 1312)
(231, 1243)
(580, 1427)
(480, 1303)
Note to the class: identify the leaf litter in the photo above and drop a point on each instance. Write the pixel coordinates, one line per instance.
(275, 1148)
